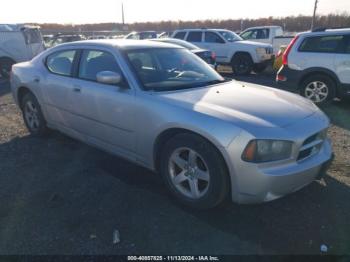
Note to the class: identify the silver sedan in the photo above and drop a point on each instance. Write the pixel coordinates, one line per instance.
(160, 106)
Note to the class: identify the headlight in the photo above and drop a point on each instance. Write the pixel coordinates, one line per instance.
(259, 151)
(261, 51)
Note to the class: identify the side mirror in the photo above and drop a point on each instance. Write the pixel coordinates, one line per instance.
(108, 77)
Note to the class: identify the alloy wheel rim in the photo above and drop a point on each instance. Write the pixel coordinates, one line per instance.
(31, 116)
(189, 173)
(316, 91)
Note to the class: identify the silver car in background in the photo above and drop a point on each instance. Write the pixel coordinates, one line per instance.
(162, 107)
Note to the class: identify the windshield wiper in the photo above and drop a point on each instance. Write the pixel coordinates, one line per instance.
(217, 81)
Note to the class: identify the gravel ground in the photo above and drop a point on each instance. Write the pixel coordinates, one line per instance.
(59, 196)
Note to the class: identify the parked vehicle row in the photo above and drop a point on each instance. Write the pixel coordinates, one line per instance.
(318, 72)
(206, 55)
(162, 107)
(317, 65)
(141, 35)
(230, 49)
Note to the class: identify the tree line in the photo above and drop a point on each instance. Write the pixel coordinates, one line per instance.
(290, 24)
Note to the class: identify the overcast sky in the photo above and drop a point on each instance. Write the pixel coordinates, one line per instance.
(98, 11)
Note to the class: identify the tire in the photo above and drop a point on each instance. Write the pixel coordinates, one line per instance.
(320, 89)
(259, 68)
(33, 116)
(5, 67)
(242, 64)
(202, 183)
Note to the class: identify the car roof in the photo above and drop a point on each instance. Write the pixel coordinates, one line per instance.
(143, 32)
(176, 41)
(326, 32)
(262, 27)
(124, 44)
(203, 29)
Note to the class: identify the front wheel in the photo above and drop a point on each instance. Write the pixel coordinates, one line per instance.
(319, 89)
(242, 64)
(194, 171)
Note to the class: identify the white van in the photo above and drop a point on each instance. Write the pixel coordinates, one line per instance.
(18, 43)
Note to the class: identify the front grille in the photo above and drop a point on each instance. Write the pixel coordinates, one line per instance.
(304, 154)
(310, 139)
(269, 50)
(311, 145)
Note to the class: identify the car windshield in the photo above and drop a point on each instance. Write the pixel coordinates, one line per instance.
(166, 69)
(230, 36)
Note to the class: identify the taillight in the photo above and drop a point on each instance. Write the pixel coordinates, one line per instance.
(213, 55)
(289, 48)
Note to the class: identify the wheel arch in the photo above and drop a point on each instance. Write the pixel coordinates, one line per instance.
(21, 92)
(241, 53)
(169, 133)
(7, 57)
(320, 71)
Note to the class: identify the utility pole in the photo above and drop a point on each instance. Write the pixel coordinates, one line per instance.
(314, 16)
(123, 21)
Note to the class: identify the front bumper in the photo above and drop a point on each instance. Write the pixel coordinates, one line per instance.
(256, 183)
(278, 182)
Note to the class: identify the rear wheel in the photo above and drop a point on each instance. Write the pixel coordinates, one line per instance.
(320, 89)
(194, 171)
(242, 64)
(5, 67)
(32, 115)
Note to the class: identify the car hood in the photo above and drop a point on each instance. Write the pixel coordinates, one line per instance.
(246, 105)
(196, 51)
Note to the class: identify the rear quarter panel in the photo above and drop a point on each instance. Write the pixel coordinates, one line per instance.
(23, 75)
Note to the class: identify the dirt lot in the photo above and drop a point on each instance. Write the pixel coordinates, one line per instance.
(59, 196)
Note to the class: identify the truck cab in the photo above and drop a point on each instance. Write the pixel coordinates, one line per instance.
(273, 35)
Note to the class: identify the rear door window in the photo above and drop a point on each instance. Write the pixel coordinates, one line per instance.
(323, 44)
(211, 37)
(61, 62)
(180, 35)
(195, 36)
(347, 45)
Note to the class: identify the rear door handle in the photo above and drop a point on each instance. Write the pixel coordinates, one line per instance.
(36, 79)
(77, 89)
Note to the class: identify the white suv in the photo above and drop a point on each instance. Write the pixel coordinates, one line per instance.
(230, 49)
(317, 64)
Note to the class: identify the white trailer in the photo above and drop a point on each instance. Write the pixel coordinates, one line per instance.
(18, 43)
